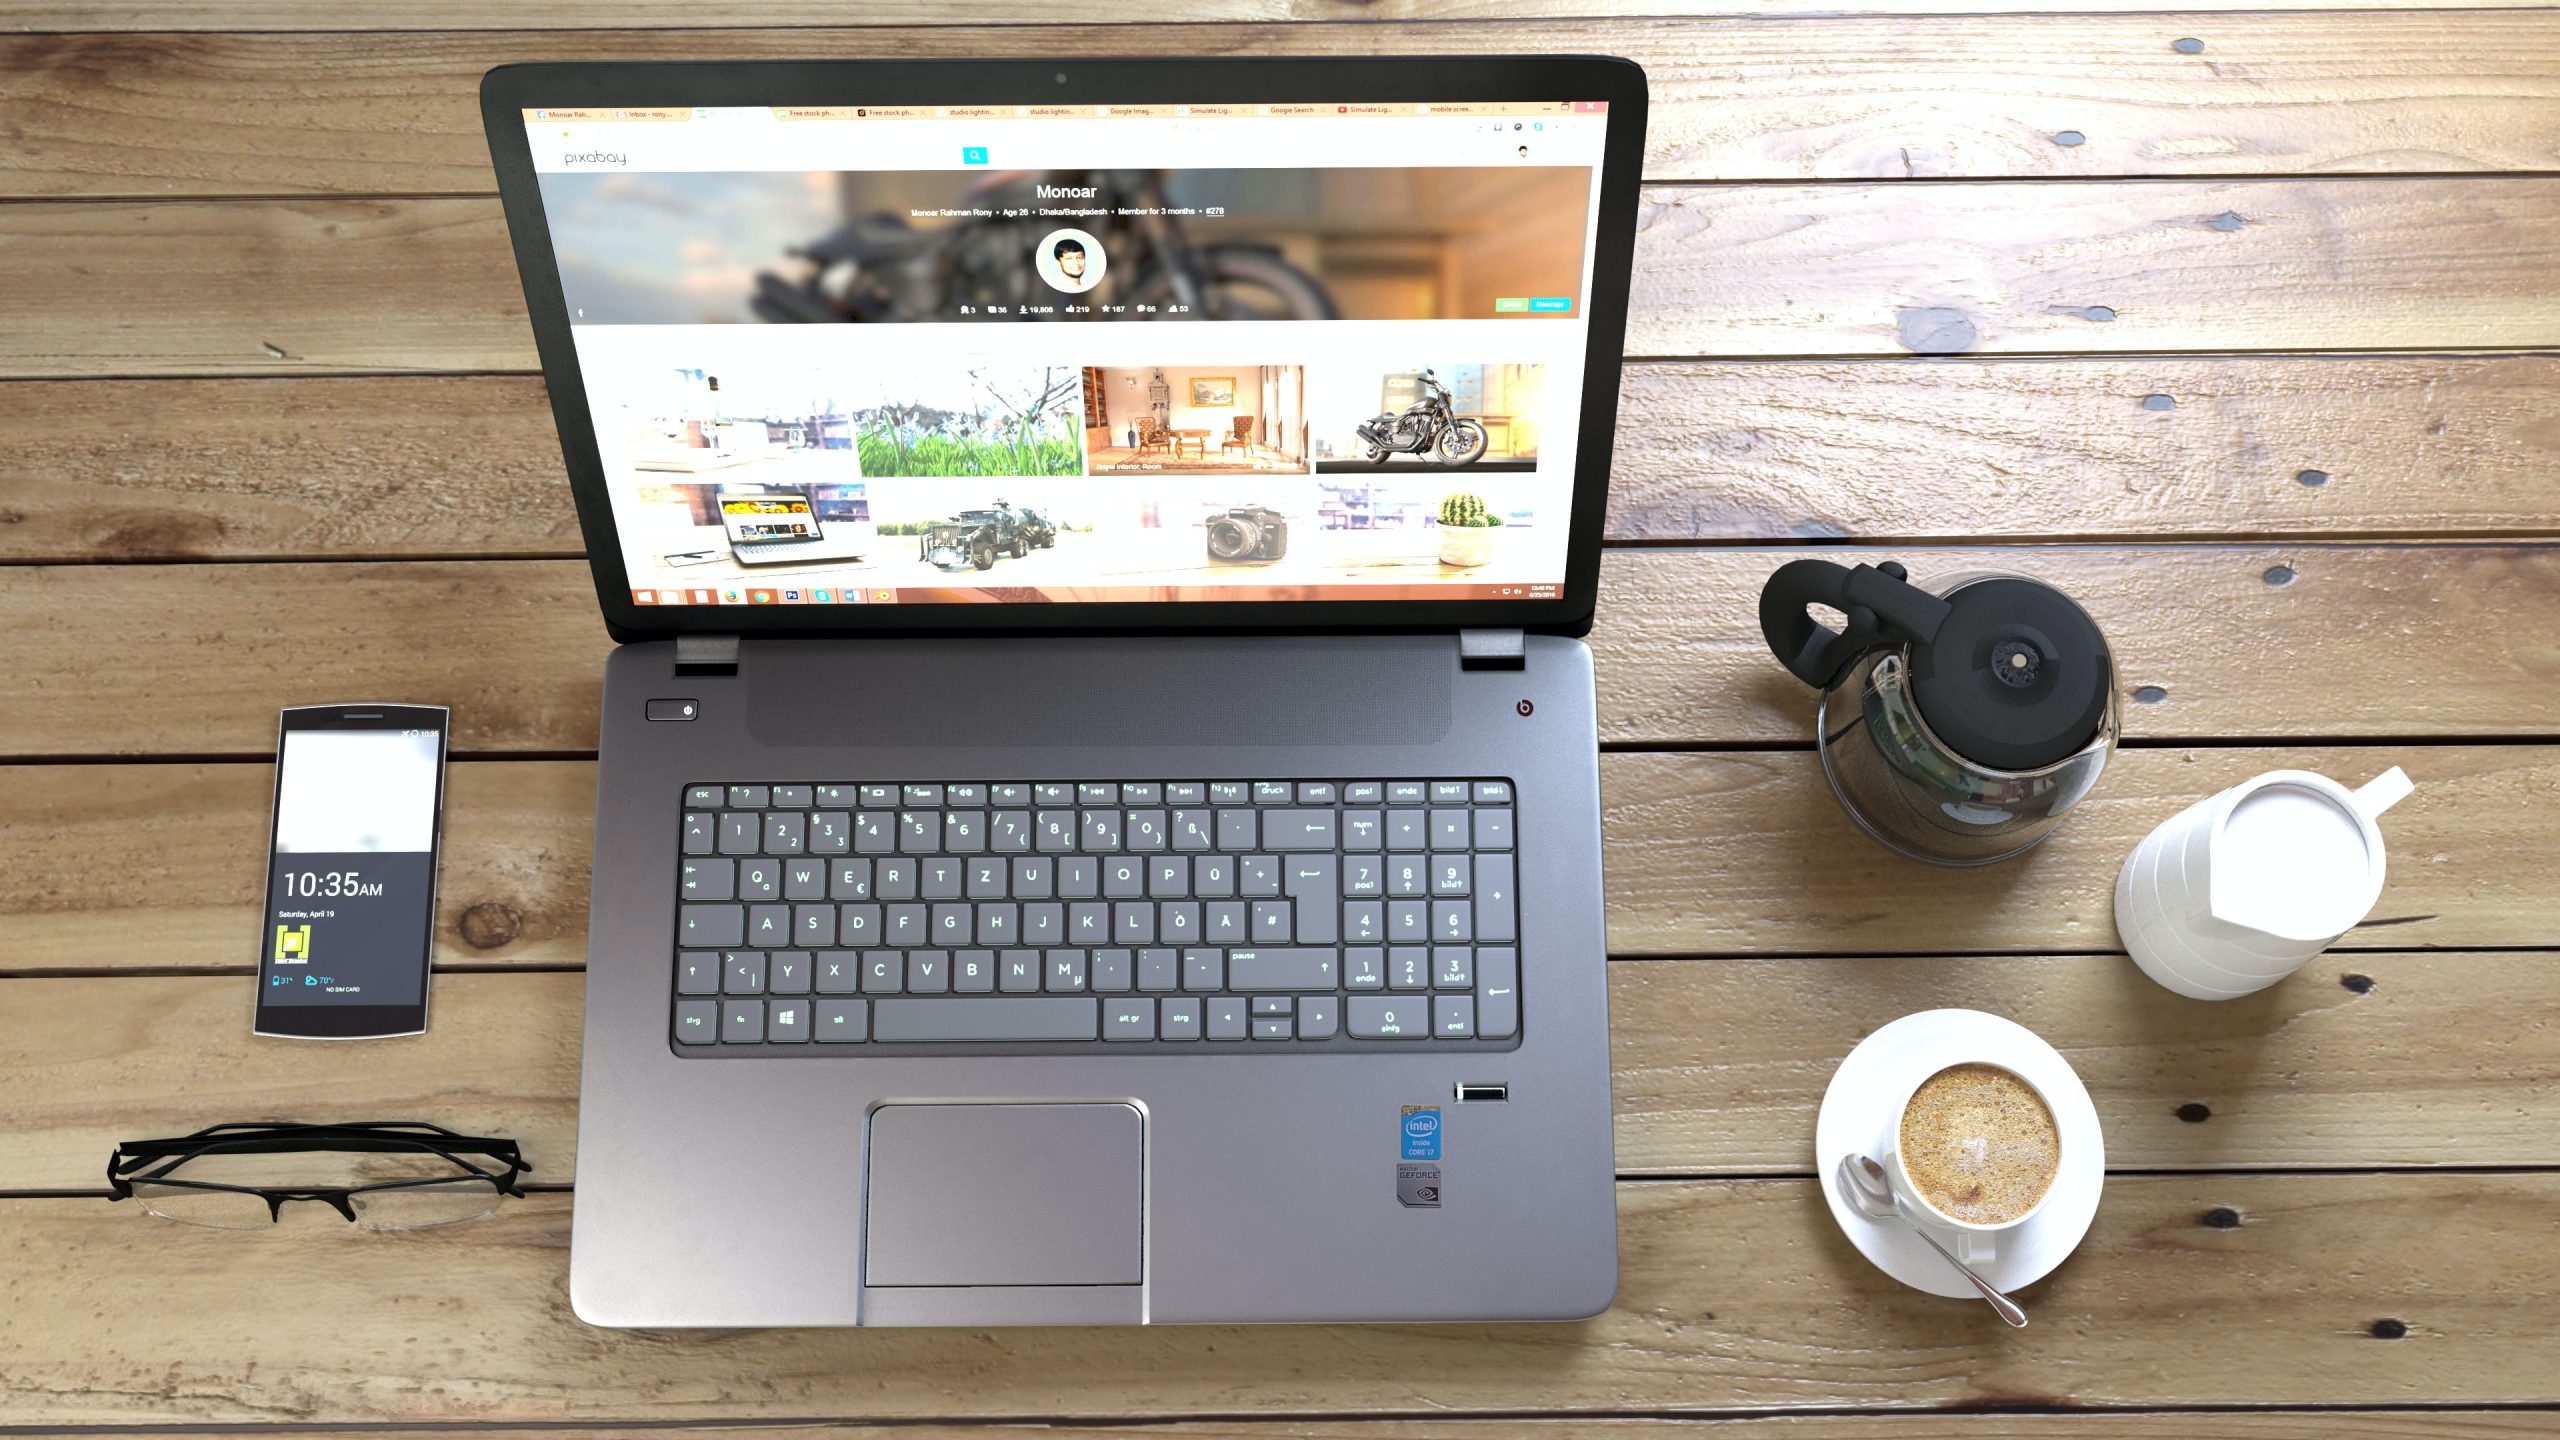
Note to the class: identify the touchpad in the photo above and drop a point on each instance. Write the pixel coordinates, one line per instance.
(1004, 1195)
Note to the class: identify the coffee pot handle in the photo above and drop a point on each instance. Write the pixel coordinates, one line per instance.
(1882, 606)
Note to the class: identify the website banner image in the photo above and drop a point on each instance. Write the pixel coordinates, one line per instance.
(821, 246)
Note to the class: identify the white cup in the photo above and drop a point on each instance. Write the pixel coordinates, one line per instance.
(2243, 888)
(1974, 1243)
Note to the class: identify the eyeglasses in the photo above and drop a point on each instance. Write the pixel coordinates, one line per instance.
(383, 1175)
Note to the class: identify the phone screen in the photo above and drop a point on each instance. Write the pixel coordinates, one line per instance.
(351, 875)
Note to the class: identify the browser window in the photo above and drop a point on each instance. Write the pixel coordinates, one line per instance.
(1055, 353)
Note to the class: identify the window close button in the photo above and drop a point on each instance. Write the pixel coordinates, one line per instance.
(672, 709)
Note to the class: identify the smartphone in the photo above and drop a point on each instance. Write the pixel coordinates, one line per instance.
(351, 872)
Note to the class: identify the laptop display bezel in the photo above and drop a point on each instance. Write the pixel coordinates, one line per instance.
(509, 90)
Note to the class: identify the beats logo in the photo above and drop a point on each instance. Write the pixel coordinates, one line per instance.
(1526, 709)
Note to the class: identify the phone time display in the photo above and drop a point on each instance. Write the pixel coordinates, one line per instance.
(345, 928)
(332, 883)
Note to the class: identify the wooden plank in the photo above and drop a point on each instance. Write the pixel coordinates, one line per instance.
(1720, 1063)
(101, 116)
(1735, 1294)
(2087, 448)
(2085, 267)
(516, 649)
(305, 468)
(291, 469)
(323, 285)
(382, 15)
(1707, 855)
(1922, 1425)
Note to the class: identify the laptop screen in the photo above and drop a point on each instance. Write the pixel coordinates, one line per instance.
(1082, 353)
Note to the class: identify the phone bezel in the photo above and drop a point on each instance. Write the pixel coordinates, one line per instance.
(353, 1022)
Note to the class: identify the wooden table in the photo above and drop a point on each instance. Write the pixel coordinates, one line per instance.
(2280, 413)
(1198, 440)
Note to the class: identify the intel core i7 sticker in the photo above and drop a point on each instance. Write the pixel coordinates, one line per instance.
(1422, 1132)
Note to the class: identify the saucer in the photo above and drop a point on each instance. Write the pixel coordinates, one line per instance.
(1881, 1068)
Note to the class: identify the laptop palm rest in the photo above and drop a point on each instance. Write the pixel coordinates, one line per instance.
(1010, 1198)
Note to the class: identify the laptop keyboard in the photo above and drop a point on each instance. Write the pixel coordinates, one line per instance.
(1153, 916)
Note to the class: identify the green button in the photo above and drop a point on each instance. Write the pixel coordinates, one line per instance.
(1509, 304)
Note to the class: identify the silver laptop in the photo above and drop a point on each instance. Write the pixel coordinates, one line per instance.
(779, 528)
(1160, 879)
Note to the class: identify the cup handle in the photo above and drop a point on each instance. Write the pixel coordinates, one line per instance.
(2382, 792)
(1977, 1247)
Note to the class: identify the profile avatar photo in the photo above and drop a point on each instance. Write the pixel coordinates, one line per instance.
(1070, 260)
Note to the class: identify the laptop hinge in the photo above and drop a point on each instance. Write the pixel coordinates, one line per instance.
(706, 654)
(1493, 650)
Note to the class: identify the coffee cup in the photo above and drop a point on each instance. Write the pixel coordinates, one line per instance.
(1975, 1152)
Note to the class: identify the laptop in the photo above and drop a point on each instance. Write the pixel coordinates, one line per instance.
(1183, 903)
(779, 528)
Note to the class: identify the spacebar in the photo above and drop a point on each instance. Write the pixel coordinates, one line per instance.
(1065, 1017)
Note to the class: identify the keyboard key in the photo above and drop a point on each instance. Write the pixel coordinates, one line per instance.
(1204, 969)
(1362, 830)
(1009, 832)
(749, 796)
(835, 972)
(1018, 971)
(838, 1022)
(768, 925)
(919, 832)
(886, 795)
(1097, 793)
(1271, 1029)
(1009, 794)
(1258, 875)
(804, 879)
(759, 879)
(1408, 968)
(1406, 792)
(1453, 922)
(1226, 1017)
(1284, 969)
(1405, 829)
(787, 1022)
(1042, 1017)
(1129, 1018)
(742, 1022)
(1453, 1017)
(1449, 875)
(837, 795)
(1495, 917)
(938, 877)
(1186, 793)
(701, 832)
(740, 834)
(884, 972)
(708, 880)
(1452, 967)
(1271, 921)
(1079, 877)
(1111, 972)
(1298, 829)
(1123, 879)
(1066, 971)
(1142, 793)
(858, 925)
(1159, 969)
(1310, 881)
(895, 879)
(1388, 1017)
(1364, 922)
(1269, 1005)
(973, 972)
(1101, 830)
(698, 1022)
(1270, 792)
(1364, 968)
(1146, 829)
(1315, 792)
(964, 832)
(698, 972)
(965, 795)
(1493, 829)
(1493, 792)
(792, 796)
(1178, 1019)
(1235, 830)
(849, 880)
(786, 972)
(830, 833)
(1498, 993)
(1229, 792)
(928, 972)
(1408, 921)
(1363, 792)
(1449, 829)
(710, 927)
(920, 794)
(709, 797)
(1319, 1017)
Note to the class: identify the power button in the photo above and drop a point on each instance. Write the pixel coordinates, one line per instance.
(672, 709)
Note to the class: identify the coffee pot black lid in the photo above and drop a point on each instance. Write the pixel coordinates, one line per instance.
(2017, 677)
(2007, 671)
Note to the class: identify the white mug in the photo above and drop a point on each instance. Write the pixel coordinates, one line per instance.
(2244, 887)
(1974, 1243)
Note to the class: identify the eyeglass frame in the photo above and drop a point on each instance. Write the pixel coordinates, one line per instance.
(415, 1137)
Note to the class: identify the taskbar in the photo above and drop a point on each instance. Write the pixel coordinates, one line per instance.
(1077, 594)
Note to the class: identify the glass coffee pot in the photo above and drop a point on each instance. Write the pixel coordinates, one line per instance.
(1959, 719)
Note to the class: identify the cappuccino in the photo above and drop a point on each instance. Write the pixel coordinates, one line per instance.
(1979, 1145)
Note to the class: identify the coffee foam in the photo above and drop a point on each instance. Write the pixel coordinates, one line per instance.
(1979, 1144)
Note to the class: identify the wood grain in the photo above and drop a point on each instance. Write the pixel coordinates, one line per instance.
(1734, 1294)
(1726, 854)
(1914, 1425)
(516, 649)
(468, 466)
(306, 286)
(735, 18)
(114, 116)
(2096, 448)
(1721, 1064)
